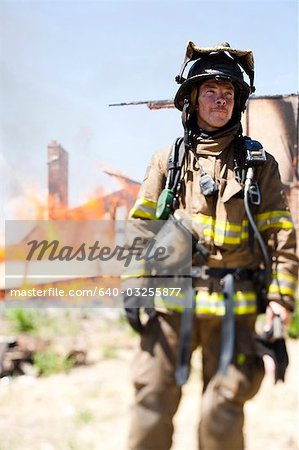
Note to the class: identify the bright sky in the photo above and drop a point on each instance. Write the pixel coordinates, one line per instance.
(63, 62)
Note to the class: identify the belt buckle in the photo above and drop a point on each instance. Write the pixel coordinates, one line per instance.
(200, 272)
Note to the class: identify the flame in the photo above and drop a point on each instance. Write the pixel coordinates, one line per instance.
(35, 204)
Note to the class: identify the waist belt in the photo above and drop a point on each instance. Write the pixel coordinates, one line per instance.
(205, 272)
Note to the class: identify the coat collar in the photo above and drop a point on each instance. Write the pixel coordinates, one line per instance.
(214, 144)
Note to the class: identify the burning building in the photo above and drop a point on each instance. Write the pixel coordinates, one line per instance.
(57, 179)
(100, 206)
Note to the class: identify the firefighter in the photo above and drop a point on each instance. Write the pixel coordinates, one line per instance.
(211, 191)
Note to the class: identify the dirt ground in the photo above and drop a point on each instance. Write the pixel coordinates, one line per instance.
(88, 408)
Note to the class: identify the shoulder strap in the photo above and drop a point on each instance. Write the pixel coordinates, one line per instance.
(175, 163)
(254, 156)
(247, 153)
(167, 199)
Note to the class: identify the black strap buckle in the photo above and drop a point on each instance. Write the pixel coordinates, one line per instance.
(254, 193)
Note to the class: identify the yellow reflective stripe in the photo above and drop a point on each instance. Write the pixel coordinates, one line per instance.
(132, 274)
(244, 232)
(206, 303)
(171, 305)
(206, 223)
(244, 235)
(274, 219)
(136, 269)
(239, 296)
(283, 283)
(227, 226)
(222, 232)
(244, 303)
(172, 302)
(281, 225)
(220, 311)
(280, 289)
(221, 239)
(274, 213)
(285, 276)
(143, 209)
(233, 233)
(208, 232)
(203, 219)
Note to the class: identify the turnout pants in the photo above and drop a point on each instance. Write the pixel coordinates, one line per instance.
(157, 396)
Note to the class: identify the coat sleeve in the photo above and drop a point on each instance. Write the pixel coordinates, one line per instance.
(275, 223)
(141, 225)
(152, 186)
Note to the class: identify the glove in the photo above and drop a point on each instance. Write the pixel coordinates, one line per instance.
(273, 344)
(133, 317)
(133, 306)
(136, 275)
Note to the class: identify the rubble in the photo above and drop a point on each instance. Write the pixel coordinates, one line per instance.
(17, 355)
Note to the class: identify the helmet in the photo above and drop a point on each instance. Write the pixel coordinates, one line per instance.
(215, 63)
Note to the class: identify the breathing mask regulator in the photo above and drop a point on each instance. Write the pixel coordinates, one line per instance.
(182, 244)
(221, 63)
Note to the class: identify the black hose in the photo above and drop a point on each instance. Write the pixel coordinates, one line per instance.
(267, 261)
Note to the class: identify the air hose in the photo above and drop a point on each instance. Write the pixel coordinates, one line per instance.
(267, 261)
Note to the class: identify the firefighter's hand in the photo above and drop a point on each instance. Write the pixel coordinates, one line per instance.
(275, 309)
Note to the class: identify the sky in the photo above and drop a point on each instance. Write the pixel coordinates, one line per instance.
(64, 62)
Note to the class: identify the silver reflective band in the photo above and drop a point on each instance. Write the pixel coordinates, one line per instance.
(200, 272)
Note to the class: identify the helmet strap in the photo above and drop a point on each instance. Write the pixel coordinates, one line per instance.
(239, 157)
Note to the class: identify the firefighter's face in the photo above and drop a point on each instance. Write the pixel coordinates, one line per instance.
(215, 104)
